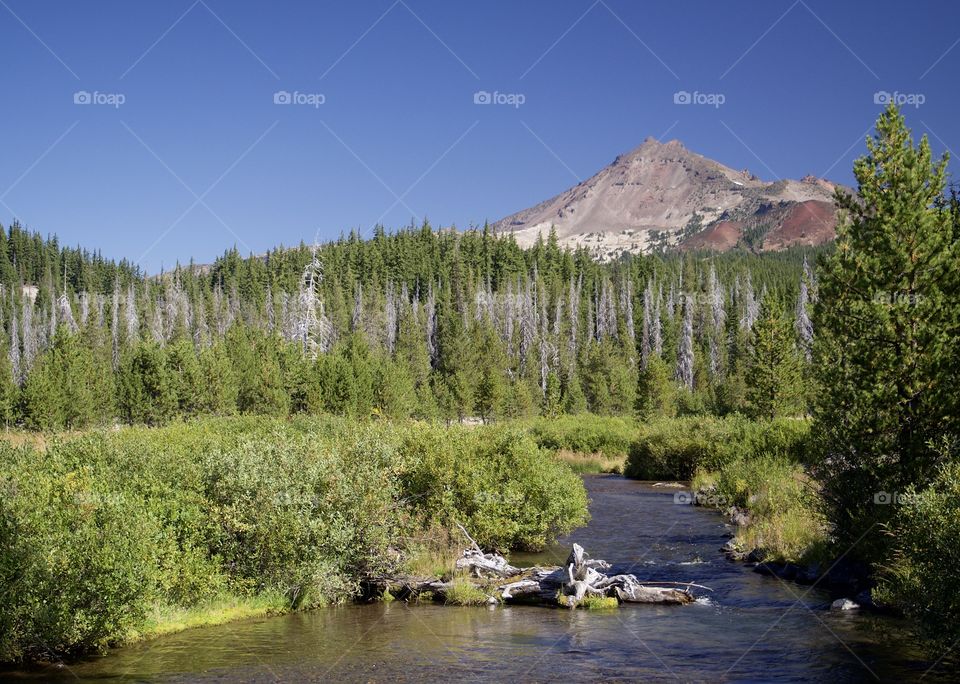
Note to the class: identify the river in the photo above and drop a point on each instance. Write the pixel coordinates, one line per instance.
(751, 628)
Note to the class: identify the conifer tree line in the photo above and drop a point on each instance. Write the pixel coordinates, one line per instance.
(434, 324)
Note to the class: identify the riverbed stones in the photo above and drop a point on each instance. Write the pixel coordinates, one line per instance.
(844, 604)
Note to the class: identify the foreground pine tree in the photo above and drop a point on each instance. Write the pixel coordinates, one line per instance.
(887, 335)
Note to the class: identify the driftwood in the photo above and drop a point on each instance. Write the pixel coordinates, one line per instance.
(485, 564)
(581, 577)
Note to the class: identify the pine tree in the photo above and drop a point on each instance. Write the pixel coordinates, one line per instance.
(552, 397)
(655, 390)
(185, 377)
(145, 390)
(887, 319)
(491, 392)
(773, 371)
(9, 392)
(394, 392)
(218, 382)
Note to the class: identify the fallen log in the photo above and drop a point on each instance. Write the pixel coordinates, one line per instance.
(480, 564)
(580, 578)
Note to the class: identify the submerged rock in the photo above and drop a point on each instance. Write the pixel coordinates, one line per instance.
(844, 604)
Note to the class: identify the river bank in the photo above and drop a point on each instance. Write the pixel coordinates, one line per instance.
(751, 628)
(116, 536)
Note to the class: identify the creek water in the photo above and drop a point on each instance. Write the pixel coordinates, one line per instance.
(750, 628)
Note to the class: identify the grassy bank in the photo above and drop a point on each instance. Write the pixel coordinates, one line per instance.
(751, 468)
(675, 448)
(776, 503)
(587, 443)
(162, 620)
(119, 535)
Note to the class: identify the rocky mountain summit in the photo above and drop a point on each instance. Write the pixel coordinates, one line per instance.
(663, 196)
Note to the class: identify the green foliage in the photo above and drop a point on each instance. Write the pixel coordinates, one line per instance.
(462, 592)
(609, 436)
(60, 392)
(610, 383)
(480, 327)
(147, 391)
(101, 533)
(676, 448)
(594, 602)
(490, 480)
(9, 393)
(656, 391)
(77, 560)
(218, 384)
(920, 578)
(887, 327)
(257, 360)
(773, 371)
(783, 503)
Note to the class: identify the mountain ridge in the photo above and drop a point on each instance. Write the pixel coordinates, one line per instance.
(661, 195)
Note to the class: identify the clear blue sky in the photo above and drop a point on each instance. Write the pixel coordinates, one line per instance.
(198, 157)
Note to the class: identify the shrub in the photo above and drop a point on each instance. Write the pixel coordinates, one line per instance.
(462, 592)
(920, 579)
(508, 492)
(77, 562)
(104, 534)
(585, 434)
(783, 503)
(675, 448)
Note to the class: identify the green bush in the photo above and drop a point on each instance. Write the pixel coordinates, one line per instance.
(786, 522)
(99, 532)
(920, 579)
(586, 434)
(497, 483)
(675, 448)
(77, 561)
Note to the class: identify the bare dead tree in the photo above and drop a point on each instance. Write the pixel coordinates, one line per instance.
(646, 325)
(115, 325)
(130, 312)
(684, 371)
(751, 306)
(390, 319)
(356, 318)
(312, 328)
(65, 314)
(626, 306)
(84, 308)
(29, 338)
(656, 330)
(15, 369)
(430, 308)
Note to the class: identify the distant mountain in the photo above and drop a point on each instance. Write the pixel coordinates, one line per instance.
(662, 195)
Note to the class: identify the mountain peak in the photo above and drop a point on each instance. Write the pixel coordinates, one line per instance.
(651, 143)
(660, 194)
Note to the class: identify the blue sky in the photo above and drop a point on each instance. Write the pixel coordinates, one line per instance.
(182, 151)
